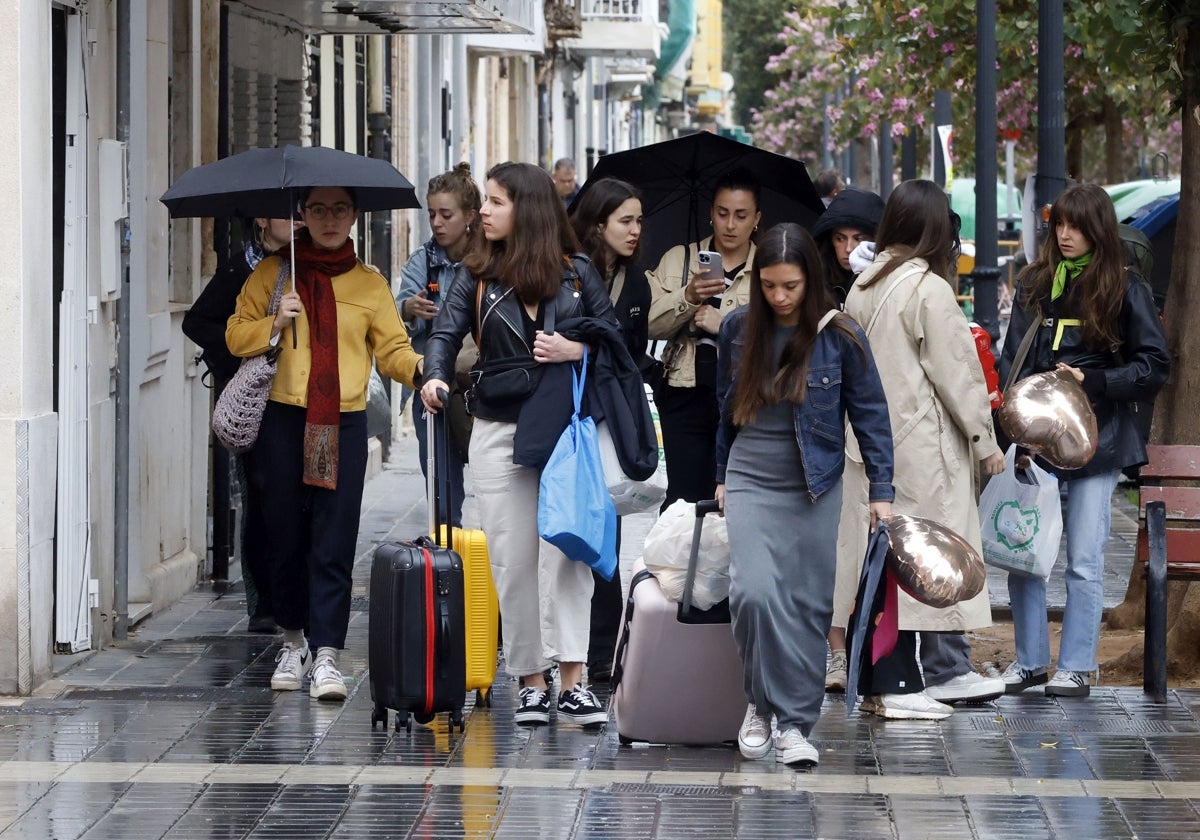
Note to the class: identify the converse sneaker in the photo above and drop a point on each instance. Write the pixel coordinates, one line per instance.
(533, 706)
(754, 738)
(917, 706)
(579, 705)
(793, 748)
(971, 687)
(326, 682)
(1017, 679)
(292, 664)
(835, 673)
(1069, 684)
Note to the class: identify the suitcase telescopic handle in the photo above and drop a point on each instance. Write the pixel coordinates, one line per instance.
(437, 462)
(703, 508)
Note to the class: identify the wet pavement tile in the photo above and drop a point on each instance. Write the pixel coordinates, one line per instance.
(941, 818)
(1011, 818)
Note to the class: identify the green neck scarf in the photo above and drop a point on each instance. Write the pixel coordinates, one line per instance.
(1068, 270)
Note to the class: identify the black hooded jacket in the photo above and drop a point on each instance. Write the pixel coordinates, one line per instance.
(613, 393)
(851, 208)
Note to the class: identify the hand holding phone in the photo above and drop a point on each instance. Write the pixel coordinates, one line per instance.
(708, 280)
(711, 265)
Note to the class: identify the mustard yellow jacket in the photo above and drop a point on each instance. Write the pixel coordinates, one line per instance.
(368, 325)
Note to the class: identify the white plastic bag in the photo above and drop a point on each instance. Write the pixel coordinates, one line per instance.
(669, 544)
(1021, 519)
(631, 496)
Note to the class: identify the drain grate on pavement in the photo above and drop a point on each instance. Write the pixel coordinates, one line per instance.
(1041, 723)
(158, 694)
(670, 790)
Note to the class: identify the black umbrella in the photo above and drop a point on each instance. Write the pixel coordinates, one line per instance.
(677, 179)
(866, 606)
(268, 182)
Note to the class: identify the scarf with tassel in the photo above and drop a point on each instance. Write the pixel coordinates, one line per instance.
(316, 268)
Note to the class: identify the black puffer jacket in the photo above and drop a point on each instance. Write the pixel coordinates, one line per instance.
(1115, 378)
(503, 343)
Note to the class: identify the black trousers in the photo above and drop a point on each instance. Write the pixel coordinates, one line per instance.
(607, 607)
(689, 426)
(256, 565)
(312, 531)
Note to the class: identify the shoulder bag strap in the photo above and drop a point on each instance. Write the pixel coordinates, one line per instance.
(280, 285)
(826, 318)
(887, 293)
(478, 311)
(1022, 351)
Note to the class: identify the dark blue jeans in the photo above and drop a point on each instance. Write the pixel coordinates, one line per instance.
(311, 531)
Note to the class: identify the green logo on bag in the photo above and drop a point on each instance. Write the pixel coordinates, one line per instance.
(1015, 527)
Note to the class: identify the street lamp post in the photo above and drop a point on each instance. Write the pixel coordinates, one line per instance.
(1052, 118)
(986, 274)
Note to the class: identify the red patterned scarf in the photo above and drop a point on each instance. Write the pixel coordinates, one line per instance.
(316, 268)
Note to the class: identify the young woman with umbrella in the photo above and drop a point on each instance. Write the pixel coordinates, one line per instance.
(608, 221)
(524, 268)
(791, 371)
(453, 202)
(686, 312)
(312, 446)
(1109, 336)
(942, 430)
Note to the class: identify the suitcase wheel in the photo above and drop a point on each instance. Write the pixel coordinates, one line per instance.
(407, 723)
(483, 698)
(379, 715)
(456, 719)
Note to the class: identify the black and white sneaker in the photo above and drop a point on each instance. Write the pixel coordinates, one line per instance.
(579, 705)
(534, 706)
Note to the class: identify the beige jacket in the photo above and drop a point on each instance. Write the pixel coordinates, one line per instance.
(671, 314)
(941, 427)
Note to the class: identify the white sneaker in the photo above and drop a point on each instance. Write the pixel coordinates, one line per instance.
(292, 663)
(754, 738)
(1017, 679)
(327, 682)
(835, 674)
(793, 748)
(918, 706)
(971, 687)
(1069, 684)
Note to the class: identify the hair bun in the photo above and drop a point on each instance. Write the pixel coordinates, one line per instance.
(462, 168)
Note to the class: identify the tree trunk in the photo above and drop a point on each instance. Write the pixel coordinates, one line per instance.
(1177, 411)
(1114, 142)
(1075, 149)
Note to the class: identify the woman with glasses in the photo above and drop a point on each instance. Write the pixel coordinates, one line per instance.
(942, 431)
(312, 447)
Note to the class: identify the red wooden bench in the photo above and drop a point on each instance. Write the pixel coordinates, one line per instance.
(1168, 542)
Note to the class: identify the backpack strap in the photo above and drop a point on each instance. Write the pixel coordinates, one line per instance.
(478, 310)
(826, 318)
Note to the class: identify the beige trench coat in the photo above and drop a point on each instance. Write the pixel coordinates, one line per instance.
(671, 315)
(941, 427)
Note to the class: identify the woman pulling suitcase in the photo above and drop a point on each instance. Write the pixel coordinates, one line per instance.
(790, 371)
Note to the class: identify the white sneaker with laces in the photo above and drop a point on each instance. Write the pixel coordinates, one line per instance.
(835, 673)
(1069, 684)
(754, 738)
(1017, 679)
(292, 664)
(794, 749)
(971, 687)
(327, 682)
(918, 706)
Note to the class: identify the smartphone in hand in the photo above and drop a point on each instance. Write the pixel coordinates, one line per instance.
(711, 266)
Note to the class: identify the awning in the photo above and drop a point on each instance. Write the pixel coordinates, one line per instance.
(381, 17)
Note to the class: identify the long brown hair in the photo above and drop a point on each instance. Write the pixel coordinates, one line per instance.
(917, 224)
(599, 201)
(530, 260)
(758, 381)
(1097, 294)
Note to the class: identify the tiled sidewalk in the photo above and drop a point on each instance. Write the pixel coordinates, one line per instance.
(175, 735)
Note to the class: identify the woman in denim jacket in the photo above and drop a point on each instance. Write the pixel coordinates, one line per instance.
(790, 371)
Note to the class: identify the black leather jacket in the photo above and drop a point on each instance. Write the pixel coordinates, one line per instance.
(502, 339)
(1133, 371)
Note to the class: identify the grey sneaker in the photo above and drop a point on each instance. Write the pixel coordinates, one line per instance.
(327, 682)
(754, 738)
(1017, 679)
(835, 673)
(792, 748)
(917, 706)
(291, 666)
(1069, 684)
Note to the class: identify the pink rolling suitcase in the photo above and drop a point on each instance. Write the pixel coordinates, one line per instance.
(667, 651)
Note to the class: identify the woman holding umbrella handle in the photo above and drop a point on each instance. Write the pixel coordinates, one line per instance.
(312, 447)
(687, 313)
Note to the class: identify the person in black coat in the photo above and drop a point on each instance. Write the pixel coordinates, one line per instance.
(850, 219)
(608, 221)
(205, 324)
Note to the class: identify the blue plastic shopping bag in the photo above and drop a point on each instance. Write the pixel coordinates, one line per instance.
(575, 511)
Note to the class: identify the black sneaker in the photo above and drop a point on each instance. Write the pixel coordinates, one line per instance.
(534, 706)
(579, 705)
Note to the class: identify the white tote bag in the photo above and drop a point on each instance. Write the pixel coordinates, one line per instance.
(631, 496)
(1021, 518)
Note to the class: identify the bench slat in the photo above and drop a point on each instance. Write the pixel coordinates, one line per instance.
(1183, 503)
(1183, 548)
(1172, 461)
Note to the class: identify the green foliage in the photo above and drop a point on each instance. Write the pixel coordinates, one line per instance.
(1168, 24)
(751, 30)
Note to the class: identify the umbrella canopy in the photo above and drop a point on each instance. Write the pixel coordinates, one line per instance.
(267, 183)
(677, 180)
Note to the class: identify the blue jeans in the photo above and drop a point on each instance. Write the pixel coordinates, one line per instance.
(1087, 518)
(455, 467)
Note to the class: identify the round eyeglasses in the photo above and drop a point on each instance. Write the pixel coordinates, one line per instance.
(320, 212)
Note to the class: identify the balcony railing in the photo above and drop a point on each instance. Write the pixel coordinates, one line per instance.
(612, 9)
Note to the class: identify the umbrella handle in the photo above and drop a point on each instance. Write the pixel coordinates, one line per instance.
(292, 264)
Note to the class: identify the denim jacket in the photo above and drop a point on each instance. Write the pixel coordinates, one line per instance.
(842, 383)
(428, 264)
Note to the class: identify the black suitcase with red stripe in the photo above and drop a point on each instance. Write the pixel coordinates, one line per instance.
(417, 638)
